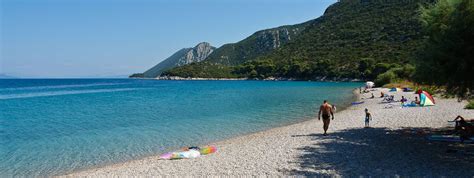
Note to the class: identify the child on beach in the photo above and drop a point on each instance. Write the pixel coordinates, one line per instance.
(368, 117)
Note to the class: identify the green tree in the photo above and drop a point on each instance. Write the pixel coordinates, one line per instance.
(385, 78)
(265, 68)
(380, 68)
(447, 55)
(366, 65)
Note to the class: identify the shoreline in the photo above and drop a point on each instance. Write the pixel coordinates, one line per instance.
(321, 79)
(281, 150)
(356, 96)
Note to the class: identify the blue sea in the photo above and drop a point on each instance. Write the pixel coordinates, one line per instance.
(56, 126)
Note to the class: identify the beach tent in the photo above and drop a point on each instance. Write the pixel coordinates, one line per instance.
(425, 98)
(369, 84)
(395, 89)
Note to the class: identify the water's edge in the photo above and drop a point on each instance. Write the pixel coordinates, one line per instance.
(355, 97)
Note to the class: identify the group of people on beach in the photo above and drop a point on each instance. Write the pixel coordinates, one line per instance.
(327, 110)
(403, 100)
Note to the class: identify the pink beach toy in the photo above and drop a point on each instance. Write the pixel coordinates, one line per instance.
(166, 156)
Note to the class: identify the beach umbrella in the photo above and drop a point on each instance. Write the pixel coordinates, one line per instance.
(369, 84)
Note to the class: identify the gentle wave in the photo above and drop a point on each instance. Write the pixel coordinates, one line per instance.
(56, 93)
(62, 86)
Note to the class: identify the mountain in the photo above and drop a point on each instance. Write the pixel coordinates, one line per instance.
(182, 57)
(349, 40)
(351, 32)
(260, 43)
(257, 44)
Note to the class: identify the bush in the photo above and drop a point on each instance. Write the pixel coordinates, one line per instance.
(400, 84)
(470, 105)
(397, 75)
(385, 78)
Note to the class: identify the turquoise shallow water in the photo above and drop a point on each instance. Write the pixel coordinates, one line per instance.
(55, 126)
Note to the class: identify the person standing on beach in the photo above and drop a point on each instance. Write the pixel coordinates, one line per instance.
(326, 111)
(368, 117)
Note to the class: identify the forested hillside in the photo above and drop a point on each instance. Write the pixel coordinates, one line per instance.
(260, 43)
(353, 39)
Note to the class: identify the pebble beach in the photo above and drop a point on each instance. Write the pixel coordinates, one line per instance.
(396, 144)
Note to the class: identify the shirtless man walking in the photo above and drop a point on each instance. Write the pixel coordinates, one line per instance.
(326, 111)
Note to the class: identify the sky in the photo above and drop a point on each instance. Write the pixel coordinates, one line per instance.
(105, 38)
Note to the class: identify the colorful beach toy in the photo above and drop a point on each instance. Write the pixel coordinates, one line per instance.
(208, 150)
(166, 156)
(188, 153)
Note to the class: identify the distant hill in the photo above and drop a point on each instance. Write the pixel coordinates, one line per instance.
(257, 44)
(350, 39)
(353, 31)
(182, 57)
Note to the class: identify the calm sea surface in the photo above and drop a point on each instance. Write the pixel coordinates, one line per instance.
(55, 126)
